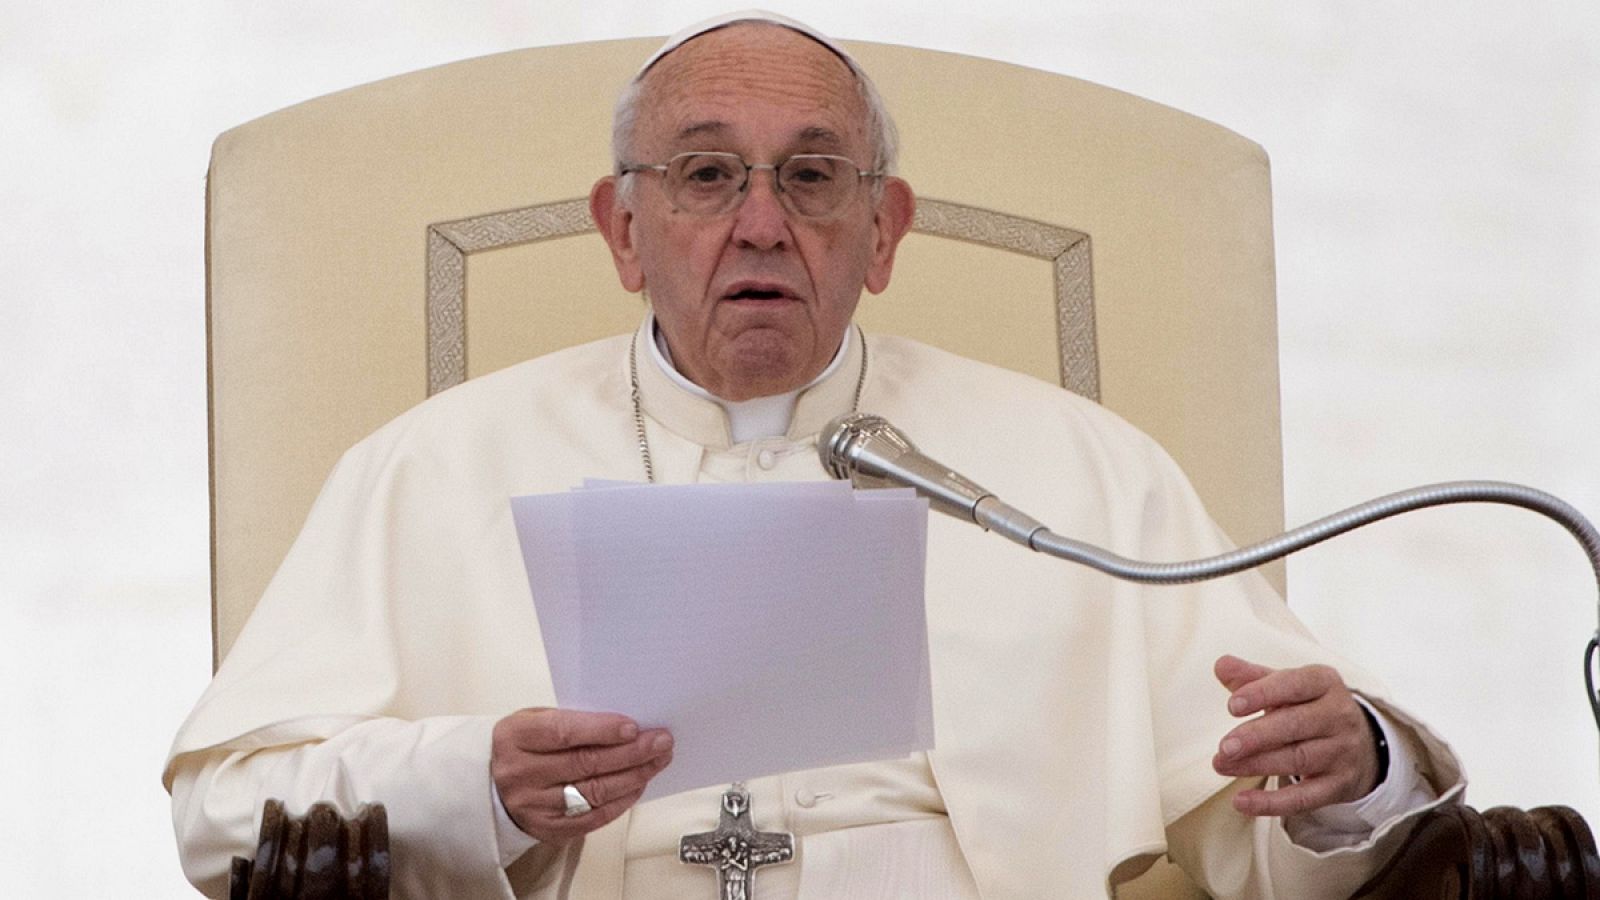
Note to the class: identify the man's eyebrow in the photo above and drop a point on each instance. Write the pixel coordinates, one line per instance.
(811, 135)
(695, 129)
(816, 134)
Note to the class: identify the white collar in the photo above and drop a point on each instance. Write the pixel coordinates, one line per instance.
(748, 420)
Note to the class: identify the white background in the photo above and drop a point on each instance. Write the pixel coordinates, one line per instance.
(1437, 185)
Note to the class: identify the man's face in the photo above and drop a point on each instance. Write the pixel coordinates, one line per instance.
(754, 301)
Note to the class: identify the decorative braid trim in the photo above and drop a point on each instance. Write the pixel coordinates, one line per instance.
(1068, 252)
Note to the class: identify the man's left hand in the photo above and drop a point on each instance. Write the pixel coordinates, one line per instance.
(1310, 726)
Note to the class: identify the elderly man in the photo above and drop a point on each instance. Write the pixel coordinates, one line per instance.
(1079, 731)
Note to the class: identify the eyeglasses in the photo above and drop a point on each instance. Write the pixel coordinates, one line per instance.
(810, 185)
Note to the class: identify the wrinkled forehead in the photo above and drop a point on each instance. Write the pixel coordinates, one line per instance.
(726, 82)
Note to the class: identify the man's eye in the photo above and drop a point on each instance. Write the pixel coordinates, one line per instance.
(810, 175)
(708, 174)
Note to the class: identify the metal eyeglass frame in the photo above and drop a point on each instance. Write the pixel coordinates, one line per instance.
(736, 198)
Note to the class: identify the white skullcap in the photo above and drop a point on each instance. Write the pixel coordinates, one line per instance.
(748, 15)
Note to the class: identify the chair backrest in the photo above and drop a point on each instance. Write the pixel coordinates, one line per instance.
(367, 248)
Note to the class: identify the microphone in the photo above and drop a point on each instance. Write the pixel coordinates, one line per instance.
(871, 453)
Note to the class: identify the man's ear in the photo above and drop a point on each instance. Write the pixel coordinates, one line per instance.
(891, 222)
(615, 222)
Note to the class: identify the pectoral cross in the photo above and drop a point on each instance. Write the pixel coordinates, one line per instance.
(736, 849)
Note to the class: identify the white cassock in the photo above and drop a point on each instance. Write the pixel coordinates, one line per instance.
(1075, 715)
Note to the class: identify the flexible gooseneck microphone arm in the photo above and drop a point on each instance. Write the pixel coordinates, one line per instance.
(869, 452)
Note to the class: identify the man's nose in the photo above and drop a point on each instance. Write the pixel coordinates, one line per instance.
(761, 222)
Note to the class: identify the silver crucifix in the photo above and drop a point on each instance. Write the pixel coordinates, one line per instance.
(736, 849)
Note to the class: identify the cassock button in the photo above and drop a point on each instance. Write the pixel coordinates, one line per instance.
(807, 799)
(766, 459)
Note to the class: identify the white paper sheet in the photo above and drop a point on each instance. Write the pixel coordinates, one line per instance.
(770, 627)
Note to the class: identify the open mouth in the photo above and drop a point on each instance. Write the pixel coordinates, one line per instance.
(757, 294)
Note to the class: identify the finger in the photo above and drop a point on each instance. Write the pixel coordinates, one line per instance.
(1235, 673)
(551, 730)
(607, 789)
(592, 761)
(1283, 688)
(563, 829)
(1284, 726)
(534, 782)
(1290, 799)
(1304, 758)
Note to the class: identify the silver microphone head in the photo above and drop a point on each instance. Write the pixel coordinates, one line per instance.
(871, 453)
(856, 437)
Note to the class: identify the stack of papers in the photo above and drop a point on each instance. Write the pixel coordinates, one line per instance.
(770, 627)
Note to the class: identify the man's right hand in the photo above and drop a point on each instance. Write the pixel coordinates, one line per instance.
(537, 752)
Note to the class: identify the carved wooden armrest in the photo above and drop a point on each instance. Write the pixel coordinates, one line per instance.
(318, 856)
(1458, 853)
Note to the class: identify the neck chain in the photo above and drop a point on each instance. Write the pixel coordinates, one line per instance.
(638, 406)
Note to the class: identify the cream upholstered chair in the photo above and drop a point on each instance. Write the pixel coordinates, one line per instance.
(371, 247)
